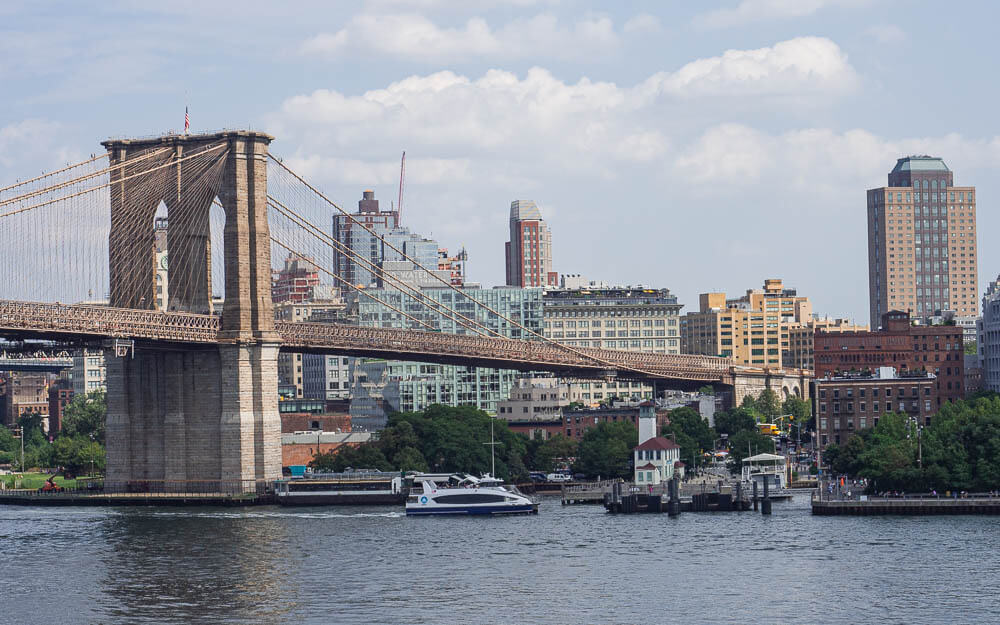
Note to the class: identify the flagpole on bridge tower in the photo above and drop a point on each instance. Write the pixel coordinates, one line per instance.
(187, 120)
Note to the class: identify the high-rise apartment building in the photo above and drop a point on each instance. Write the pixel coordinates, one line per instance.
(529, 251)
(295, 281)
(989, 337)
(752, 330)
(922, 242)
(377, 248)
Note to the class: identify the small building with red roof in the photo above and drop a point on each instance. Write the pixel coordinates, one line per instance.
(656, 461)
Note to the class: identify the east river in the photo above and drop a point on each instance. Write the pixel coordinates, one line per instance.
(573, 564)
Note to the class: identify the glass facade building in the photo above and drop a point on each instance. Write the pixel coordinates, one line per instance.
(380, 386)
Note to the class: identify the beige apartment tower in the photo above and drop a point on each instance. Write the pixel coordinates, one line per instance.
(752, 330)
(922, 242)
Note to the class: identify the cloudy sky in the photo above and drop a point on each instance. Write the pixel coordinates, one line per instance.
(691, 145)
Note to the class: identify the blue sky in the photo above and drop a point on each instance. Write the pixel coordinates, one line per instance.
(694, 146)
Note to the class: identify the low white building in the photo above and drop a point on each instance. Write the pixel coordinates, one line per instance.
(656, 458)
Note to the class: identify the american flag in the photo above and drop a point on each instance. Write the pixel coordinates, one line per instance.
(187, 120)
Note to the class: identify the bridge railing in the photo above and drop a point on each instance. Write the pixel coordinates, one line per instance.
(154, 488)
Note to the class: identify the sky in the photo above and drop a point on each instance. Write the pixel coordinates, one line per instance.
(695, 146)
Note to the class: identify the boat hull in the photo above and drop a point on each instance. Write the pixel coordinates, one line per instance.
(529, 508)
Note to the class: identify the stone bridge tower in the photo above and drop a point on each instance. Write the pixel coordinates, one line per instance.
(180, 414)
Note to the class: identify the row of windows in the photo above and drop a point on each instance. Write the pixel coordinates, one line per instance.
(622, 323)
(849, 406)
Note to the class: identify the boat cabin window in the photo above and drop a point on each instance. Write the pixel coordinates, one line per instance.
(470, 498)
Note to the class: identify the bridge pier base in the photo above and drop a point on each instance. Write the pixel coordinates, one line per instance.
(194, 419)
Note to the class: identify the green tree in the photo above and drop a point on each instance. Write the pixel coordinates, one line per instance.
(747, 443)
(971, 348)
(690, 431)
(7, 440)
(440, 438)
(708, 389)
(77, 454)
(552, 449)
(409, 459)
(86, 415)
(733, 421)
(606, 450)
(768, 404)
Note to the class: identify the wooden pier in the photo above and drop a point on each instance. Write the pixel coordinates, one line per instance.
(974, 503)
(624, 497)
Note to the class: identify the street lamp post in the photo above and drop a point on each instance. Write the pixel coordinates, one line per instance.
(920, 450)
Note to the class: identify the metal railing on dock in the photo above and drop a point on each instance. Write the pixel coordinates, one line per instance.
(142, 490)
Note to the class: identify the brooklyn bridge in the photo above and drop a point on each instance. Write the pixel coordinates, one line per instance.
(192, 394)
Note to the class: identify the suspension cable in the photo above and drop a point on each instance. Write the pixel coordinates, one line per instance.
(53, 173)
(326, 239)
(109, 183)
(451, 286)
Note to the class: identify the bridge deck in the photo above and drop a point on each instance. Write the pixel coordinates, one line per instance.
(84, 322)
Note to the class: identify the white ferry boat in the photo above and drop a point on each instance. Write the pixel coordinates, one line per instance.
(466, 495)
(323, 489)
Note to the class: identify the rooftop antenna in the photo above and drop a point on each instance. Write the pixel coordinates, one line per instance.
(402, 179)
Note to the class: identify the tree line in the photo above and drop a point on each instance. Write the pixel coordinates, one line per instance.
(77, 448)
(452, 439)
(959, 450)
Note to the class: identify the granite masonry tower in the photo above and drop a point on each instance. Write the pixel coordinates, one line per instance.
(178, 413)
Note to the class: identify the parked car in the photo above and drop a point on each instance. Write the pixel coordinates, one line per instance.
(559, 477)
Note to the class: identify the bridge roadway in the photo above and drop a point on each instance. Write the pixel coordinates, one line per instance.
(79, 322)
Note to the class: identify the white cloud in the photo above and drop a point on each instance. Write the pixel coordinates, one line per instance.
(760, 10)
(501, 128)
(642, 23)
(735, 157)
(34, 140)
(803, 64)
(414, 36)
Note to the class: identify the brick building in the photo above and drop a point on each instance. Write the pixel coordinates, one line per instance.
(908, 348)
(577, 422)
(537, 428)
(300, 448)
(848, 403)
(59, 397)
(292, 422)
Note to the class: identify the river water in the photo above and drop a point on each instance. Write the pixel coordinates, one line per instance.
(573, 564)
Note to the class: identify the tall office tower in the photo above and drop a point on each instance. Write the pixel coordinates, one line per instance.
(921, 242)
(351, 235)
(529, 251)
(379, 248)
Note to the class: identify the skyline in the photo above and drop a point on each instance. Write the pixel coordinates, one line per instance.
(767, 121)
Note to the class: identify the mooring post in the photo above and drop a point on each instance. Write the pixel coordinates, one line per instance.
(765, 506)
(755, 495)
(674, 505)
